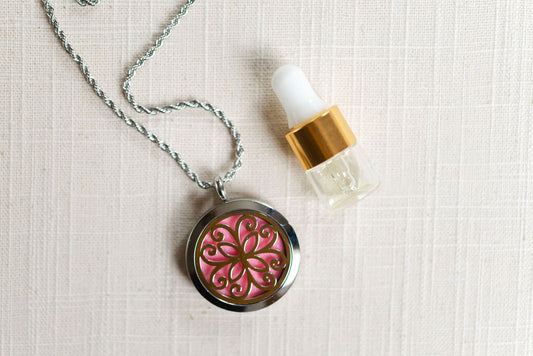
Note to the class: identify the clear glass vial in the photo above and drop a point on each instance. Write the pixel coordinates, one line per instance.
(335, 164)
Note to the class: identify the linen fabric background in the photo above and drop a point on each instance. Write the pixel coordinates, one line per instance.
(94, 218)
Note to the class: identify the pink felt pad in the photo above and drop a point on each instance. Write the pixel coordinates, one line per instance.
(240, 260)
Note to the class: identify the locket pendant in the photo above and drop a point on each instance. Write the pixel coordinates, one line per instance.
(242, 255)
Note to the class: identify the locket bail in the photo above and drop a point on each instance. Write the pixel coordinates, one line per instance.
(221, 191)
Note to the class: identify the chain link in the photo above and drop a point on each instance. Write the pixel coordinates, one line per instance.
(195, 104)
(88, 2)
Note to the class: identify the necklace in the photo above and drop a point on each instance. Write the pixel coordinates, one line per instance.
(242, 255)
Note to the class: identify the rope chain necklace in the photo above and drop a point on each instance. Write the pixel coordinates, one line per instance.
(242, 255)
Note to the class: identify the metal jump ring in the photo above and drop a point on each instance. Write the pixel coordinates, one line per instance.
(221, 191)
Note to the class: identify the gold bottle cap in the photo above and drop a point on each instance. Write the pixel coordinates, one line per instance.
(320, 138)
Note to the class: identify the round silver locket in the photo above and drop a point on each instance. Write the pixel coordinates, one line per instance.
(242, 255)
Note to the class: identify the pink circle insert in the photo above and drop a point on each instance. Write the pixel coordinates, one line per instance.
(242, 257)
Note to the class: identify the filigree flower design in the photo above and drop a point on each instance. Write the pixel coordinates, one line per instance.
(243, 257)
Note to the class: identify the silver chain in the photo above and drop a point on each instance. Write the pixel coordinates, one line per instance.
(152, 110)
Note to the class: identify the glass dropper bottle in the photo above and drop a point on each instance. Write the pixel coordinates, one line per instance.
(319, 135)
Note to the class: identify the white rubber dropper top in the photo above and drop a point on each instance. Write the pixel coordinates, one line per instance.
(296, 94)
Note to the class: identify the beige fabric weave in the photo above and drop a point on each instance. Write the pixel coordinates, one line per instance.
(94, 218)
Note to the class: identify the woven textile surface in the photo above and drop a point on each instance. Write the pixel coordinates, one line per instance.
(94, 218)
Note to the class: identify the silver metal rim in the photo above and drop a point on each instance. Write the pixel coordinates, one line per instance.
(239, 205)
